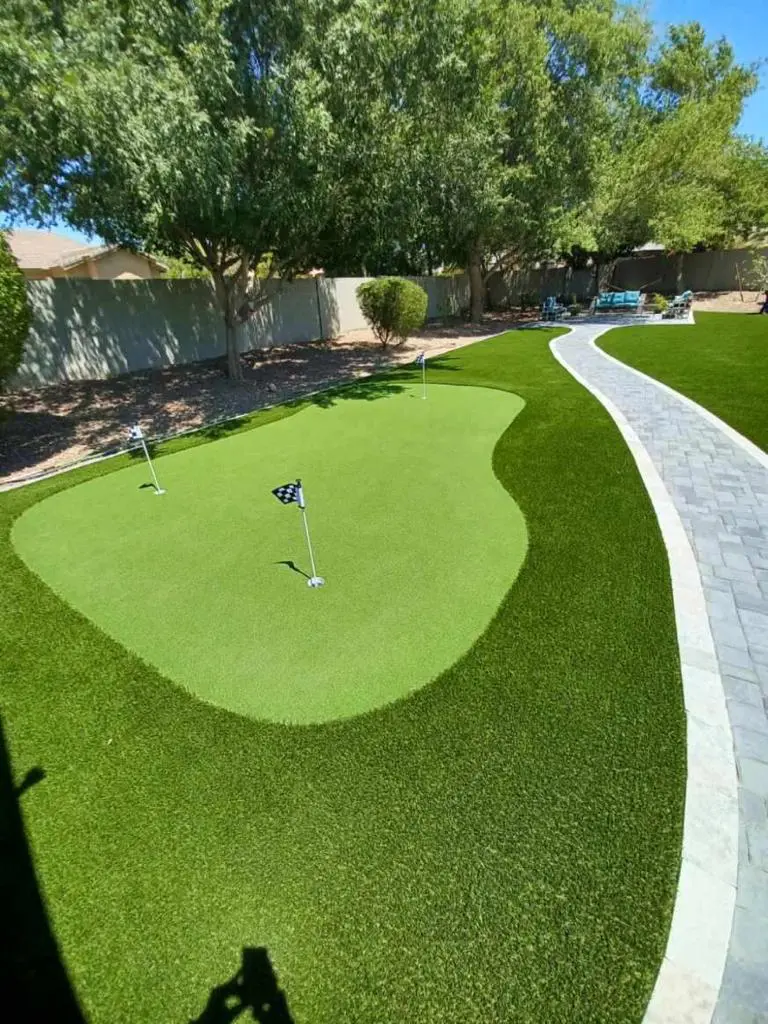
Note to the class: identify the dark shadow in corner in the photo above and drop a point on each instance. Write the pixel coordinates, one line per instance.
(32, 976)
(254, 987)
(292, 565)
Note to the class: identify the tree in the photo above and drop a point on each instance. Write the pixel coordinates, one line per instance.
(179, 268)
(672, 170)
(199, 132)
(394, 308)
(530, 146)
(15, 314)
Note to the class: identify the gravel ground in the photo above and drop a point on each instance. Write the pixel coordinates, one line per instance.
(50, 427)
(53, 426)
(728, 302)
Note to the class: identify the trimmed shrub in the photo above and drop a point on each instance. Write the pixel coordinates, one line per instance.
(15, 314)
(659, 303)
(529, 300)
(575, 308)
(394, 307)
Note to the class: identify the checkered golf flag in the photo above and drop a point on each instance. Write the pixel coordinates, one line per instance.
(288, 493)
(420, 359)
(135, 433)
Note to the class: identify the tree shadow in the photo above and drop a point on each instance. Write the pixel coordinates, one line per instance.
(253, 987)
(33, 978)
(27, 437)
(361, 391)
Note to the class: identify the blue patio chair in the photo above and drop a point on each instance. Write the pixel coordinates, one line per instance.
(551, 308)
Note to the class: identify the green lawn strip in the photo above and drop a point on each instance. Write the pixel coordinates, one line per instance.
(411, 527)
(503, 845)
(720, 362)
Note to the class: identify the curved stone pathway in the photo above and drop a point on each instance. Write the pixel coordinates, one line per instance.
(709, 487)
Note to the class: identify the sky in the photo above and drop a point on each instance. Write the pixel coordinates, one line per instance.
(742, 23)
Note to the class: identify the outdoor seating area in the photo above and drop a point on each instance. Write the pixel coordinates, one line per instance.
(619, 302)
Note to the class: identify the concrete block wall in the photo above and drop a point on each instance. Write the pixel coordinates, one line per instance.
(90, 329)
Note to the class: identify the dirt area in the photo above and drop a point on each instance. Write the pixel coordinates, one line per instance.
(728, 302)
(53, 426)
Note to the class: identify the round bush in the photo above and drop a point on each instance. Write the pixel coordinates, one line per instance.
(394, 307)
(15, 314)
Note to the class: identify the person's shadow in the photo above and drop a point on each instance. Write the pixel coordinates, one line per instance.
(254, 987)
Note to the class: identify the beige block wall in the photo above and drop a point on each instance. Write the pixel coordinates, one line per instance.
(122, 265)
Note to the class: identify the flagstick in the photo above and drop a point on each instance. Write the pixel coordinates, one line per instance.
(158, 488)
(314, 580)
(424, 376)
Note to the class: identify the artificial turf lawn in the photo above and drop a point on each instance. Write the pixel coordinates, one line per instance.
(501, 846)
(721, 362)
(412, 528)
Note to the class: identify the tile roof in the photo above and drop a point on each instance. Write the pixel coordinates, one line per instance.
(44, 250)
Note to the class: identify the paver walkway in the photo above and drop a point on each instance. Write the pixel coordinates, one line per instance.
(718, 485)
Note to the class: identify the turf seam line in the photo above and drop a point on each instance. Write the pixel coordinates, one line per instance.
(680, 993)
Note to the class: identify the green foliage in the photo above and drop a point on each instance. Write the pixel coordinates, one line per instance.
(15, 314)
(201, 136)
(658, 303)
(575, 308)
(756, 275)
(387, 138)
(672, 169)
(529, 300)
(394, 308)
(180, 268)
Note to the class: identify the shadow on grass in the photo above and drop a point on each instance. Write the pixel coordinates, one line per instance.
(361, 391)
(254, 987)
(293, 567)
(33, 977)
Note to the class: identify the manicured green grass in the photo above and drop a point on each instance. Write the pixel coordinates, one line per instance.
(411, 529)
(721, 363)
(501, 846)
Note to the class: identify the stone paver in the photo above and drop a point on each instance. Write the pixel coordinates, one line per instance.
(719, 489)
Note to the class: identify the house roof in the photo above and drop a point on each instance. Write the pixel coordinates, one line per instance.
(47, 250)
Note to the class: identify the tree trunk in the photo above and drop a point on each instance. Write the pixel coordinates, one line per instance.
(604, 275)
(225, 287)
(476, 284)
(679, 272)
(234, 367)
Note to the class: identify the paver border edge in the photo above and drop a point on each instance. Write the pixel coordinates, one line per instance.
(689, 979)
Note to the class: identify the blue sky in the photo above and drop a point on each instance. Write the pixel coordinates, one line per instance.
(742, 23)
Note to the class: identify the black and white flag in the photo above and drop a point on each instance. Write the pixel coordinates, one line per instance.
(288, 493)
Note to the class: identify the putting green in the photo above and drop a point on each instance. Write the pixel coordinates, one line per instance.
(417, 540)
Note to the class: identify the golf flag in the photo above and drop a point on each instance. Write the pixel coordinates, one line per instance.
(421, 360)
(135, 433)
(287, 494)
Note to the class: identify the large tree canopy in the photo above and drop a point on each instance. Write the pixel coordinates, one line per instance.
(194, 128)
(673, 170)
(370, 135)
